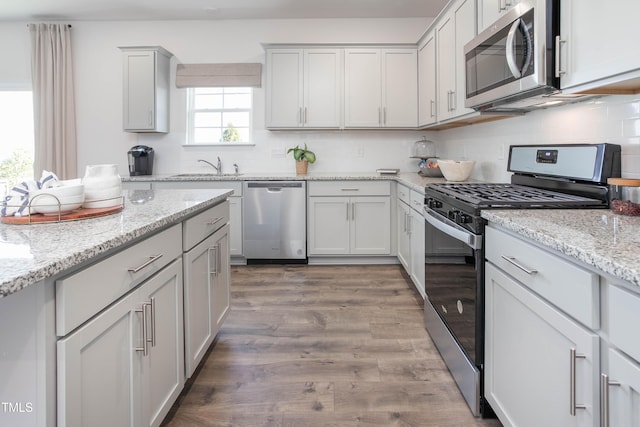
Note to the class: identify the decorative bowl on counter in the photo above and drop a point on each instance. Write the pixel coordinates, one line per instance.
(456, 170)
(68, 196)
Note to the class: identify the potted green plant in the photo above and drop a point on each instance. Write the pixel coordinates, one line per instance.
(302, 157)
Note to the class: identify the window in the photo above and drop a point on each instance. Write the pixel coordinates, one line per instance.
(219, 115)
(17, 138)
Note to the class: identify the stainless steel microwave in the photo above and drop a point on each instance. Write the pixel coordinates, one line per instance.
(513, 60)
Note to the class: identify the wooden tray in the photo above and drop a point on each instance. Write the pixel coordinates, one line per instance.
(82, 213)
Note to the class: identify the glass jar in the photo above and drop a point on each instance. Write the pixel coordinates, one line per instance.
(624, 196)
(424, 149)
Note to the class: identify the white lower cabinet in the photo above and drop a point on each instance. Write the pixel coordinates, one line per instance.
(206, 294)
(621, 391)
(541, 367)
(411, 235)
(349, 218)
(125, 367)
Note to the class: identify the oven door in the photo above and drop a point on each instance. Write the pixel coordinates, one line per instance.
(454, 315)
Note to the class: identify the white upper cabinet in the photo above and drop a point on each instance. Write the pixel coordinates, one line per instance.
(598, 45)
(490, 10)
(453, 31)
(146, 72)
(304, 88)
(381, 88)
(427, 81)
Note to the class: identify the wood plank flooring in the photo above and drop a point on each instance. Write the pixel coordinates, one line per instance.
(323, 346)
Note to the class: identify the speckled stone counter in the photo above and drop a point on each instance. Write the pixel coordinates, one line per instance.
(410, 179)
(598, 238)
(30, 253)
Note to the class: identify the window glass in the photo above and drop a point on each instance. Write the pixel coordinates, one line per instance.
(219, 115)
(16, 138)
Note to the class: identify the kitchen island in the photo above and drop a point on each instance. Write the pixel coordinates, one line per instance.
(61, 284)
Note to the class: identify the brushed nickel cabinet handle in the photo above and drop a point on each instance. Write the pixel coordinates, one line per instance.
(573, 406)
(213, 260)
(353, 211)
(152, 306)
(144, 349)
(512, 260)
(433, 106)
(559, 70)
(214, 221)
(349, 189)
(150, 261)
(604, 398)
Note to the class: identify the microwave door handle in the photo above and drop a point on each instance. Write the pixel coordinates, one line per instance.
(510, 47)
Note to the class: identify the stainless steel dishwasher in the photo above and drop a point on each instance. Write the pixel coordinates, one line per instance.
(275, 221)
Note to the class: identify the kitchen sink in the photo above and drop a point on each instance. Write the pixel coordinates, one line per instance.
(205, 175)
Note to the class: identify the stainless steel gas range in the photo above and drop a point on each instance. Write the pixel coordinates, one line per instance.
(547, 176)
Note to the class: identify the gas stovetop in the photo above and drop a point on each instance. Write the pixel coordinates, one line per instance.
(488, 195)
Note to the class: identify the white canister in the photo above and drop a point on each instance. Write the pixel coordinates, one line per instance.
(102, 184)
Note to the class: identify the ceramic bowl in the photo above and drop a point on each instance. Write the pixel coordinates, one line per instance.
(456, 170)
(63, 199)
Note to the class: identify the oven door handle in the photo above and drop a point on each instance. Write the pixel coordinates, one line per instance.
(452, 229)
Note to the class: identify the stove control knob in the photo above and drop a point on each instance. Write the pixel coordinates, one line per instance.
(433, 204)
(462, 218)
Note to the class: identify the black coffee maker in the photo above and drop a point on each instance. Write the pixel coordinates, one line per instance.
(140, 160)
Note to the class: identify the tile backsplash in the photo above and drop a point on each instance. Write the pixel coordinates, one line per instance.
(613, 119)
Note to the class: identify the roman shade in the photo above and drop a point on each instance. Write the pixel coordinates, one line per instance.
(219, 75)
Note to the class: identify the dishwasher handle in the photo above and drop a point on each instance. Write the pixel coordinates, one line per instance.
(271, 185)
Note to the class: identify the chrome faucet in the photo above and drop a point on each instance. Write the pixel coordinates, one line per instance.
(217, 168)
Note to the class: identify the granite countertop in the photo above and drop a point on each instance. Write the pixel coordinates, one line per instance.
(596, 237)
(30, 253)
(410, 179)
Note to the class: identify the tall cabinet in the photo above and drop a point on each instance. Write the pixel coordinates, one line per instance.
(427, 89)
(146, 72)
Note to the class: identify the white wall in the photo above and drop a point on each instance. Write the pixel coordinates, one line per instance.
(98, 72)
(98, 77)
(612, 119)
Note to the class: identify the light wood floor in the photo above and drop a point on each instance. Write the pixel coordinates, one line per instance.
(323, 346)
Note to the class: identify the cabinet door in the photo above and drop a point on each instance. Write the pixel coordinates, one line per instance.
(371, 225)
(588, 55)
(284, 91)
(399, 88)
(328, 225)
(322, 88)
(404, 241)
(163, 367)
(235, 231)
(221, 299)
(445, 38)
(465, 21)
(417, 227)
(363, 103)
(427, 82)
(98, 372)
(139, 90)
(624, 397)
(199, 270)
(528, 359)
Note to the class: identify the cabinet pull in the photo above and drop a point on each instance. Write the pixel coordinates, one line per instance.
(433, 106)
(305, 116)
(453, 100)
(349, 189)
(559, 70)
(353, 211)
(213, 249)
(384, 116)
(379, 116)
(512, 260)
(144, 349)
(572, 381)
(150, 118)
(148, 262)
(604, 398)
(152, 307)
(214, 221)
(409, 223)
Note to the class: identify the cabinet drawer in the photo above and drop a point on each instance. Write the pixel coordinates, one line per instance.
(571, 288)
(624, 318)
(197, 228)
(417, 201)
(404, 194)
(82, 295)
(349, 188)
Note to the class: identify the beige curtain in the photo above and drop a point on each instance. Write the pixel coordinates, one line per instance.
(53, 100)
